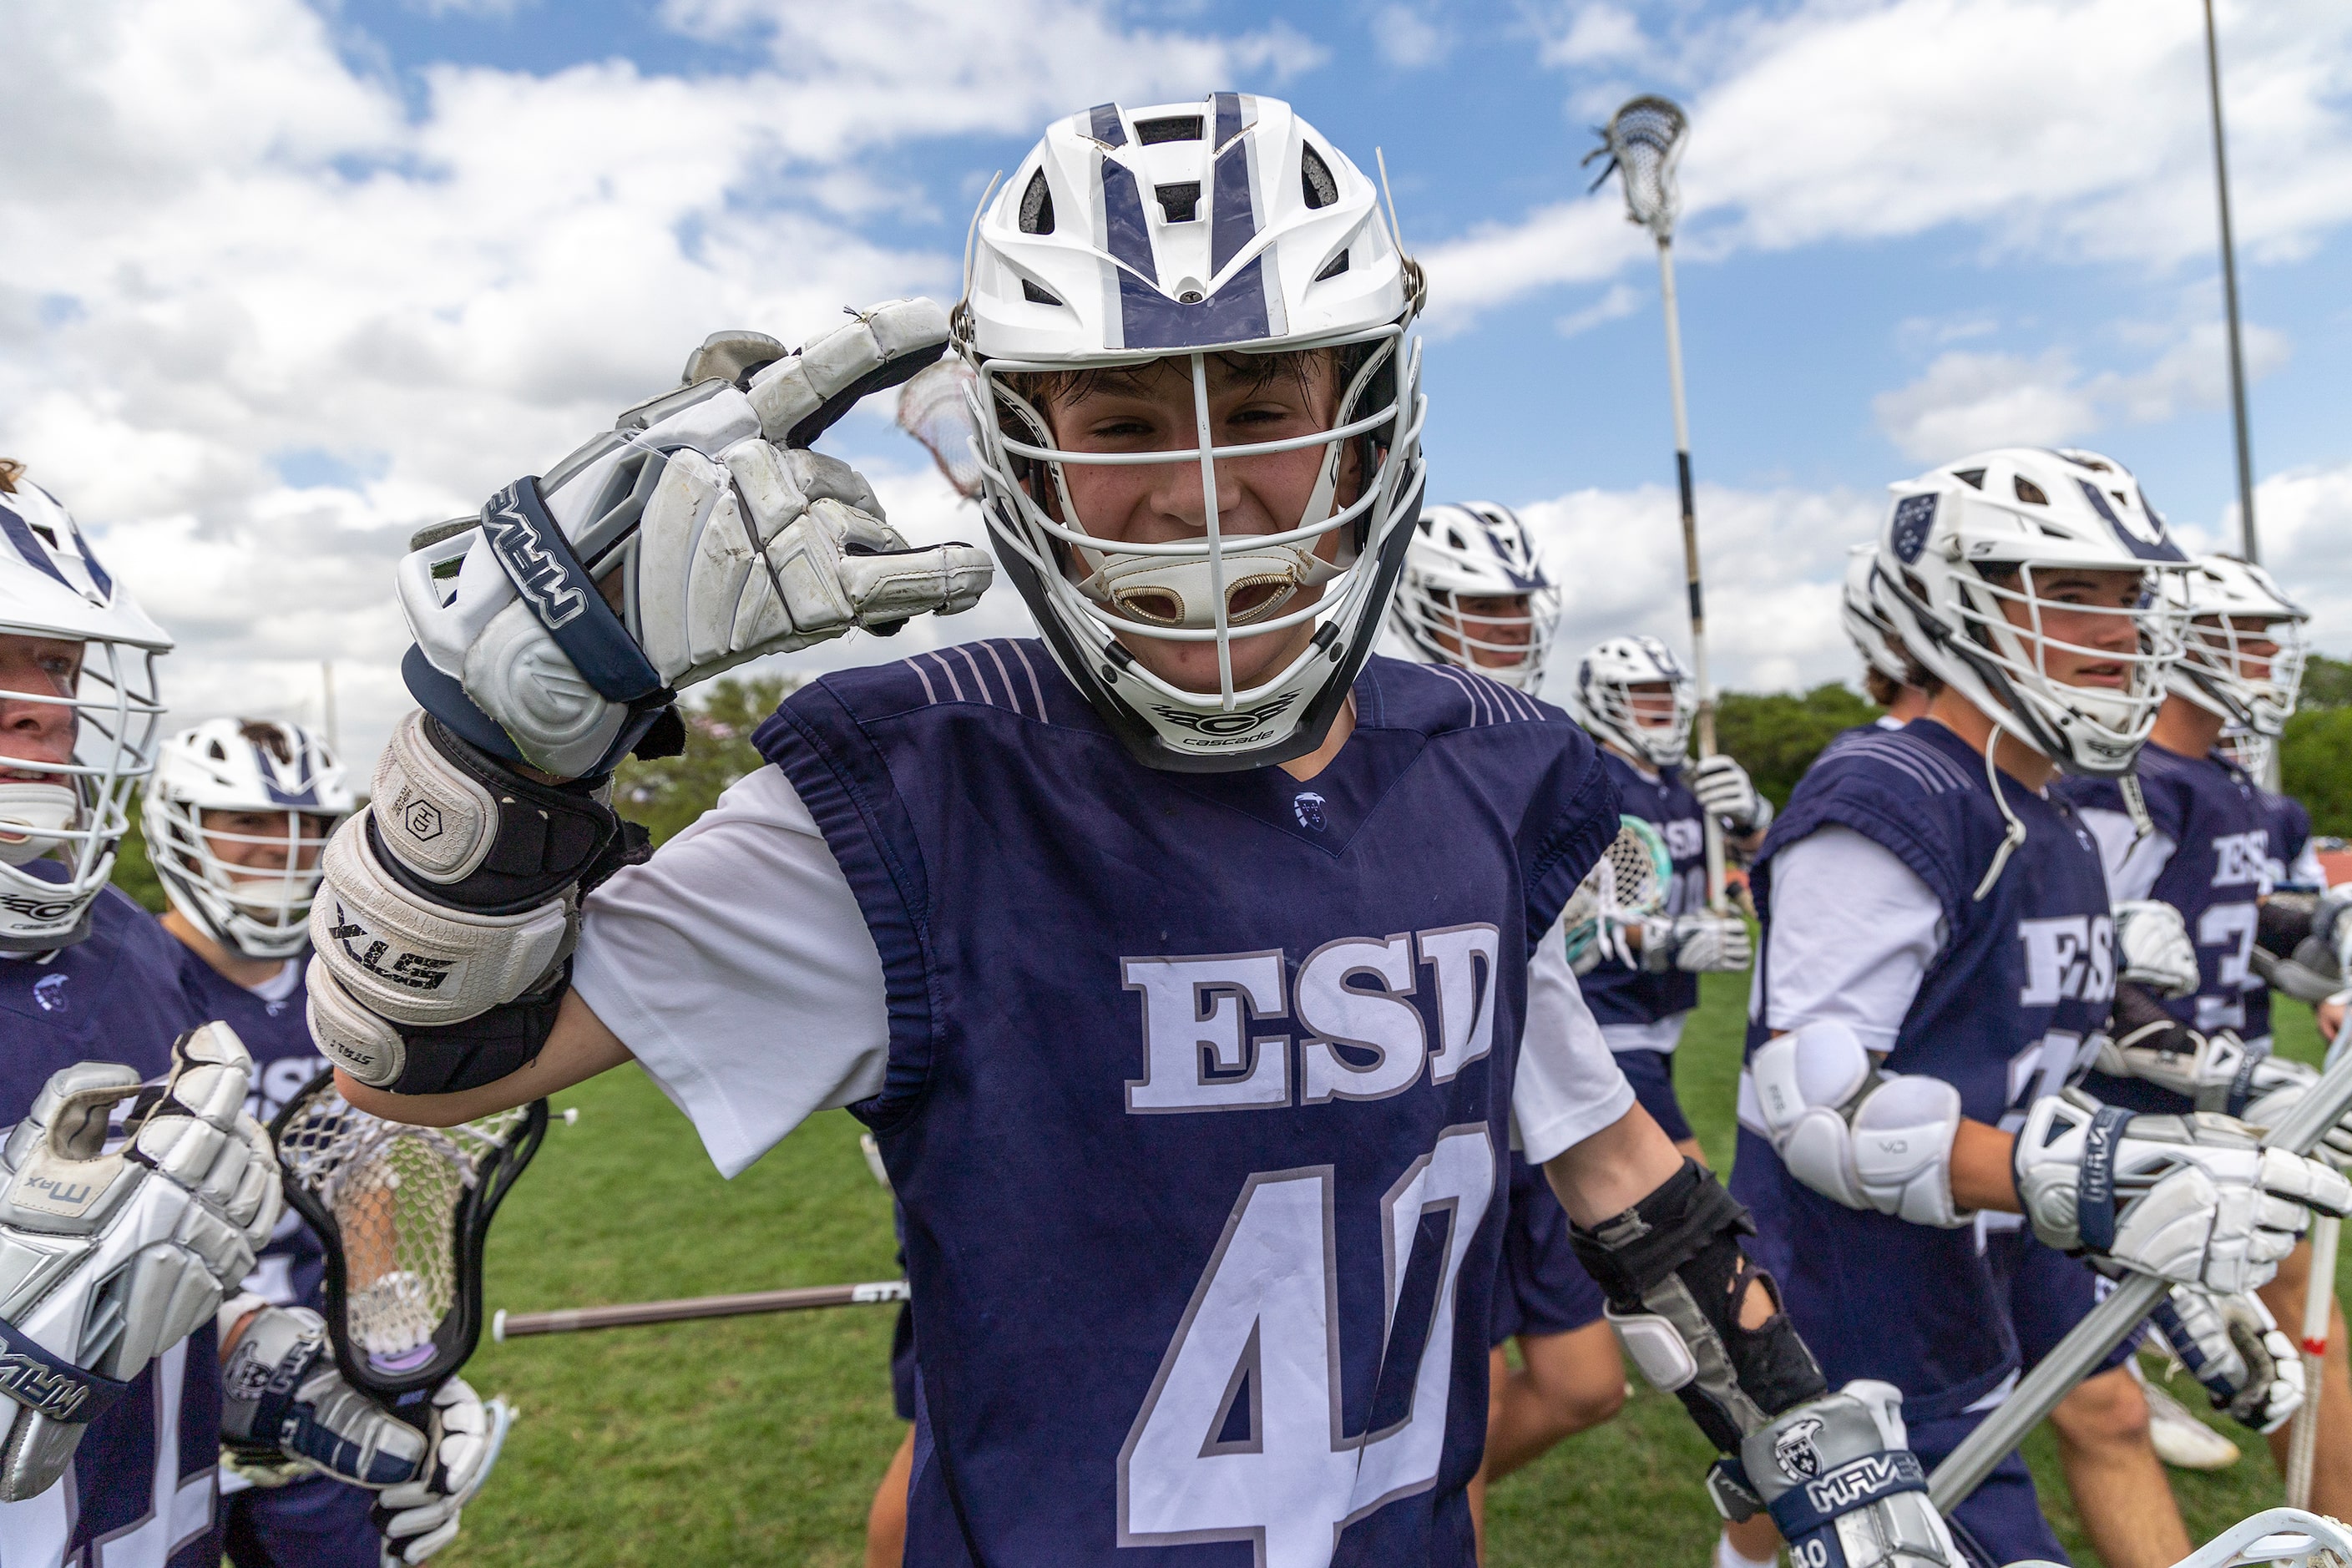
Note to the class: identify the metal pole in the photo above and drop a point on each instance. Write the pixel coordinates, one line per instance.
(505, 1325)
(327, 702)
(2247, 545)
(1690, 556)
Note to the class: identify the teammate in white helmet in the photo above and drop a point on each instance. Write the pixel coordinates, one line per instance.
(1192, 966)
(2205, 854)
(1939, 960)
(114, 1408)
(1634, 696)
(1887, 671)
(1475, 594)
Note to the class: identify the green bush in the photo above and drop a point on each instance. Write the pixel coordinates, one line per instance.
(2327, 682)
(1776, 735)
(2316, 766)
(668, 795)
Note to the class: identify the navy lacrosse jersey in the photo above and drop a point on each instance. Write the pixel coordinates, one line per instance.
(2024, 979)
(1619, 994)
(292, 1271)
(2290, 829)
(2214, 814)
(1197, 1101)
(140, 1493)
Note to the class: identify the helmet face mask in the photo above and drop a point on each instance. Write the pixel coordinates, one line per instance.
(79, 713)
(1199, 434)
(1635, 695)
(235, 817)
(2032, 583)
(1475, 594)
(2242, 644)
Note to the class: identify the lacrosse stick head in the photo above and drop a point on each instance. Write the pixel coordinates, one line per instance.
(936, 408)
(1629, 881)
(1644, 142)
(402, 1212)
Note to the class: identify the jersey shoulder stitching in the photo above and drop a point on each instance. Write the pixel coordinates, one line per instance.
(1928, 770)
(1487, 701)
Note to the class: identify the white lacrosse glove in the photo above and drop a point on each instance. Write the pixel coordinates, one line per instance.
(418, 1518)
(2272, 1088)
(108, 1259)
(2234, 1347)
(1725, 791)
(2304, 944)
(2193, 1199)
(1700, 944)
(282, 1393)
(2152, 947)
(694, 536)
(1838, 1476)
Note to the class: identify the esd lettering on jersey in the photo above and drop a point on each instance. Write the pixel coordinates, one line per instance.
(1684, 836)
(2240, 859)
(1362, 1006)
(2068, 958)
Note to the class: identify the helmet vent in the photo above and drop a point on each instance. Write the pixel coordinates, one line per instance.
(1037, 207)
(1315, 175)
(1034, 295)
(219, 753)
(1339, 264)
(1174, 128)
(2027, 490)
(1181, 203)
(47, 532)
(1972, 478)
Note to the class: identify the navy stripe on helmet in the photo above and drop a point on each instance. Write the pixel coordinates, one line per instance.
(307, 796)
(1104, 126)
(2162, 549)
(20, 534)
(1235, 313)
(1232, 217)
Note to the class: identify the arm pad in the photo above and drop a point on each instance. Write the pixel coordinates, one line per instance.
(1870, 1142)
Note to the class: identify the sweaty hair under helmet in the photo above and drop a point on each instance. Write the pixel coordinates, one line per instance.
(1476, 550)
(1204, 234)
(245, 766)
(62, 810)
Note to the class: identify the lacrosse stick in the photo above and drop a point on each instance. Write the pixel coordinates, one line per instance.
(1644, 143)
(402, 1212)
(936, 408)
(2284, 1535)
(2303, 1440)
(507, 1325)
(1629, 881)
(2102, 1328)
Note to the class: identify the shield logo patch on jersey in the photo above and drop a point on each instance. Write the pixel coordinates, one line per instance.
(1308, 806)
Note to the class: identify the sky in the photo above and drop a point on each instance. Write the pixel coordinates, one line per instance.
(280, 283)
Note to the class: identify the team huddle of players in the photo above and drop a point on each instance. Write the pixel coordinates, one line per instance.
(1212, 988)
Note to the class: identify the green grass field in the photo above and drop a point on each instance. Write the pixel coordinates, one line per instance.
(760, 1439)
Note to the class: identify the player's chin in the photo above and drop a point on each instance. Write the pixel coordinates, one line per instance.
(1192, 665)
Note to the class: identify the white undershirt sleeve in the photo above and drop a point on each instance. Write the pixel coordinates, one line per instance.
(2133, 864)
(1569, 1085)
(1852, 933)
(737, 968)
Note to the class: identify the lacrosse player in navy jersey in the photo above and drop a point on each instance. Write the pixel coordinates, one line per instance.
(1191, 967)
(1887, 671)
(112, 1406)
(1938, 960)
(1475, 594)
(1636, 698)
(2189, 871)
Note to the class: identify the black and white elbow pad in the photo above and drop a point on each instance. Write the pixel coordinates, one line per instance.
(1675, 1275)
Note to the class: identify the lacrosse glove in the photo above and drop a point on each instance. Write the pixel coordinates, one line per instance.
(2234, 1347)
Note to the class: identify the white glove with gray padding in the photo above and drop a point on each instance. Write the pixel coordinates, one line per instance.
(1838, 1476)
(2193, 1199)
(696, 535)
(1701, 943)
(2153, 949)
(2234, 1347)
(2272, 1087)
(418, 1518)
(107, 1257)
(1726, 792)
(1869, 1139)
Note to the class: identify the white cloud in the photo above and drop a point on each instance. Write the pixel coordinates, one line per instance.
(1596, 35)
(1408, 40)
(1622, 300)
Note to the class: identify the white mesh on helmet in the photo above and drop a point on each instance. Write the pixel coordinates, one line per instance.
(2227, 603)
(1476, 550)
(282, 770)
(1194, 232)
(1603, 699)
(60, 819)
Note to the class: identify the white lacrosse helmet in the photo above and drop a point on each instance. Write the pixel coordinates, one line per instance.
(1226, 225)
(245, 766)
(1964, 541)
(1475, 549)
(1867, 623)
(67, 817)
(1603, 699)
(2214, 596)
(2251, 751)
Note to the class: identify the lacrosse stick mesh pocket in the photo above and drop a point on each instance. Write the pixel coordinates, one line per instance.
(1645, 142)
(1630, 880)
(935, 408)
(402, 1212)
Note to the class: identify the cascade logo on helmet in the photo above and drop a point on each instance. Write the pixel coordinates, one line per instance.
(1224, 725)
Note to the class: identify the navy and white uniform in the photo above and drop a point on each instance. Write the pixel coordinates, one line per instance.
(1544, 1289)
(1213, 1075)
(140, 1491)
(1640, 1013)
(317, 1521)
(2208, 857)
(1867, 885)
(2290, 863)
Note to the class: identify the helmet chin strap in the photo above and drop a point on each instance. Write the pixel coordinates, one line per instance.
(31, 816)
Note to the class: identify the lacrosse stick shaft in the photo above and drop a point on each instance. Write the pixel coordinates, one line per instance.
(577, 1320)
(2303, 1444)
(1690, 553)
(2102, 1328)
